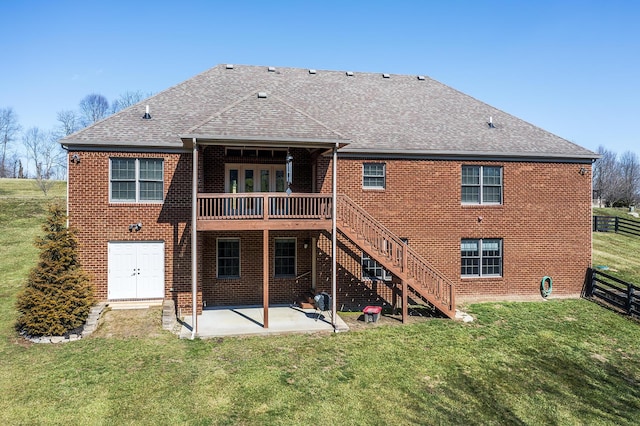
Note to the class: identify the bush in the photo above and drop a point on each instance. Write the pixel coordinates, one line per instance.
(58, 294)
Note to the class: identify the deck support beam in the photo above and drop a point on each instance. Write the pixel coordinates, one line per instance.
(265, 276)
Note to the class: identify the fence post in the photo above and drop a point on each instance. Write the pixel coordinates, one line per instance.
(591, 281)
(616, 224)
(629, 298)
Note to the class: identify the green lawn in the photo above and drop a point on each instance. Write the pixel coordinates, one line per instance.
(555, 362)
(621, 253)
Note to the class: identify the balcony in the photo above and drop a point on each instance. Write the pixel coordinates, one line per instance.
(266, 210)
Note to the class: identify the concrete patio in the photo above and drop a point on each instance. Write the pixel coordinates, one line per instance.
(248, 320)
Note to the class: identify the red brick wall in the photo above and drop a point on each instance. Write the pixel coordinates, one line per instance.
(544, 223)
(247, 290)
(98, 221)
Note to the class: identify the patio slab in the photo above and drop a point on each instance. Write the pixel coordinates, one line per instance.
(248, 320)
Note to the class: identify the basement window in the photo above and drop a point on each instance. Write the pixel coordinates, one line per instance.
(285, 258)
(228, 258)
(372, 270)
(481, 258)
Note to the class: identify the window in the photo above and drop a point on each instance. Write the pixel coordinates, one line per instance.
(481, 258)
(373, 175)
(285, 257)
(372, 269)
(137, 180)
(228, 258)
(481, 185)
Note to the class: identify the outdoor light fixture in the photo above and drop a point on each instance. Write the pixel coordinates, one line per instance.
(135, 227)
(75, 159)
(305, 243)
(289, 172)
(583, 171)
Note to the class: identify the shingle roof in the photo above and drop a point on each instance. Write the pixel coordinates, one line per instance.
(392, 114)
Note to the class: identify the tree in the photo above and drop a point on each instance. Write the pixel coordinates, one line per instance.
(43, 149)
(629, 170)
(69, 122)
(127, 99)
(93, 108)
(58, 294)
(9, 127)
(605, 176)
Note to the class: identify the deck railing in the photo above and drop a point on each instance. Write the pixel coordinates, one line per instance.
(397, 256)
(252, 206)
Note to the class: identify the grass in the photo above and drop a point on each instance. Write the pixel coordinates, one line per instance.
(617, 251)
(554, 362)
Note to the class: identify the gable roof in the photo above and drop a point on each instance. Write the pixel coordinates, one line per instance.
(394, 115)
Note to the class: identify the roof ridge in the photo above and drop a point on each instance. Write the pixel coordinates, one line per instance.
(222, 111)
(310, 117)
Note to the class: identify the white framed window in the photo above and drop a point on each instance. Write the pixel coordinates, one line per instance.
(373, 175)
(481, 185)
(373, 270)
(228, 258)
(134, 180)
(285, 257)
(481, 257)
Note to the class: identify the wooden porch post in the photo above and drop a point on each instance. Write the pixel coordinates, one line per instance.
(265, 276)
(405, 306)
(194, 241)
(334, 243)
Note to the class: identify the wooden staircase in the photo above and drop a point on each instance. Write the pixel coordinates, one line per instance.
(396, 257)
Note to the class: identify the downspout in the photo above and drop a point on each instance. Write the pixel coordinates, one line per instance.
(334, 211)
(194, 242)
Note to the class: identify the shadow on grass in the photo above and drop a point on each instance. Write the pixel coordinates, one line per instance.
(556, 390)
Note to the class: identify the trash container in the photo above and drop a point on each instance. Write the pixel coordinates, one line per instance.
(371, 313)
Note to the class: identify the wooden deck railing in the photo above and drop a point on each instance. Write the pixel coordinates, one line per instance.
(252, 206)
(396, 256)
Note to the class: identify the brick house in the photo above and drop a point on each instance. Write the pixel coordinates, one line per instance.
(254, 185)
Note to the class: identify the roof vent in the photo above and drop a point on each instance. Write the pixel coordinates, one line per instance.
(490, 123)
(421, 77)
(272, 69)
(312, 71)
(262, 95)
(349, 73)
(229, 66)
(385, 76)
(146, 115)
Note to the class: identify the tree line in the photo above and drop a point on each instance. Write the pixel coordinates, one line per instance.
(616, 179)
(41, 148)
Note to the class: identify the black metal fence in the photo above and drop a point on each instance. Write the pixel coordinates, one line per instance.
(613, 291)
(616, 224)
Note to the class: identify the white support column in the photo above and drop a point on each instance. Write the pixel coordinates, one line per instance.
(334, 241)
(194, 241)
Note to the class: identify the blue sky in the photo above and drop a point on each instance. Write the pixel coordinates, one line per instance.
(570, 67)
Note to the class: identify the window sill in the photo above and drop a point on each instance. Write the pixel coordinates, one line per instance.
(485, 277)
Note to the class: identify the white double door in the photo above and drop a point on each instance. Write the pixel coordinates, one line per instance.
(136, 270)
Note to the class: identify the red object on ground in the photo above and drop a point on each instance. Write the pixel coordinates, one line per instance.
(372, 309)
